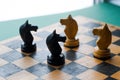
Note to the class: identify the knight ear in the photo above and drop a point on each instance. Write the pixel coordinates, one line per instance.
(105, 27)
(54, 32)
(26, 22)
(70, 17)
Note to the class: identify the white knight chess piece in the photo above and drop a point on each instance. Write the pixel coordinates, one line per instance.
(71, 29)
(103, 42)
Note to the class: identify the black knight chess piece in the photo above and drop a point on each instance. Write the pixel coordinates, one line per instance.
(56, 58)
(25, 32)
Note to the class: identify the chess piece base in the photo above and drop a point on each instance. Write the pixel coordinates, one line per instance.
(102, 54)
(71, 43)
(28, 50)
(56, 61)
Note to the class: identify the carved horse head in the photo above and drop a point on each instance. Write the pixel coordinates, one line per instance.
(71, 27)
(104, 37)
(25, 32)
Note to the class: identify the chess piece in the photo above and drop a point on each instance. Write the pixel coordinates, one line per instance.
(56, 58)
(105, 37)
(28, 47)
(71, 29)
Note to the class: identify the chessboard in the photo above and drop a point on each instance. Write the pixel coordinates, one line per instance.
(79, 62)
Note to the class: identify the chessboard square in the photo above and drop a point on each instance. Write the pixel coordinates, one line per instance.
(4, 49)
(81, 19)
(88, 61)
(73, 68)
(117, 42)
(39, 79)
(41, 55)
(65, 49)
(41, 44)
(74, 78)
(92, 43)
(73, 55)
(42, 34)
(114, 60)
(25, 62)
(67, 61)
(86, 49)
(2, 62)
(57, 75)
(91, 75)
(116, 33)
(115, 49)
(9, 69)
(11, 56)
(82, 29)
(40, 69)
(106, 68)
(92, 24)
(58, 27)
(85, 38)
(115, 38)
(116, 75)
(36, 39)
(110, 78)
(14, 44)
(90, 33)
(1, 78)
(22, 75)
(52, 27)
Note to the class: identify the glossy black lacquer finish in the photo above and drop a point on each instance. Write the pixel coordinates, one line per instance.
(56, 58)
(25, 33)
